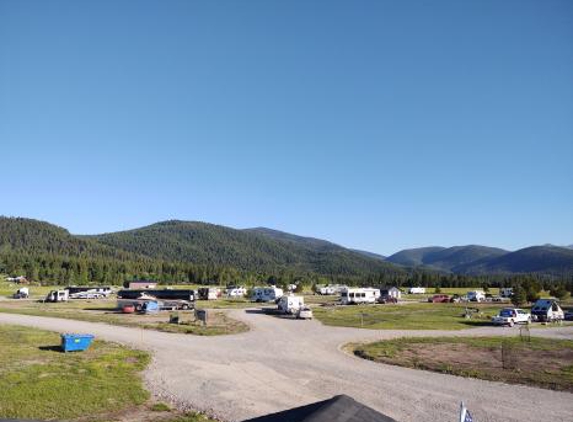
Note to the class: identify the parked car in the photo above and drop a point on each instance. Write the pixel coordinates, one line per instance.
(511, 316)
(568, 315)
(456, 299)
(439, 299)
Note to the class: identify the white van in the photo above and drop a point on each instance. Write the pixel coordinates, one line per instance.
(266, 294)
(290, 304)
(358, 295)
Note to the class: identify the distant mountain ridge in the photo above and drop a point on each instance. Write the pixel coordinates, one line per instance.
(479, 260)
(267, 251)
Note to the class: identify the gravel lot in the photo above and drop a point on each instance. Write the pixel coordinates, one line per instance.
(283, 363)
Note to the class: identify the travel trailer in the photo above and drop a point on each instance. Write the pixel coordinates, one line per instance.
(233, 292)
(266, 294)
(359, 295)
(290, 304)
(208, 293)
(417, 290)
(57, 296)
(476, 296)
(547, 310)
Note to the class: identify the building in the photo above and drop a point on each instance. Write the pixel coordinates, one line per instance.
(391, 292)
(142, 284)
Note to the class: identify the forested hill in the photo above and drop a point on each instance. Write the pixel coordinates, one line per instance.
(38, 237)
(251, 249)
(536, 259)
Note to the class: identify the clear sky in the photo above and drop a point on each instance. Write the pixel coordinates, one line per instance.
(377, 124)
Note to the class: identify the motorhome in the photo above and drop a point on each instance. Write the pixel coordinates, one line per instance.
(358, 295)
(266, 294)
(57, 296)
(476, 296)
(547, 310)
(290, 304)
(417, 290)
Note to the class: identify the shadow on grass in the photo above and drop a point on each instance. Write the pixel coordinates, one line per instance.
(51, 348)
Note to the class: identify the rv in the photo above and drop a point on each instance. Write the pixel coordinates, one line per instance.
(417, 290)
(57, 296)
(266, 294)
(290, 304)
(327, 290)
(476, 296)
(547, 310)
(358, 295)
(96, 292)
(234, 292)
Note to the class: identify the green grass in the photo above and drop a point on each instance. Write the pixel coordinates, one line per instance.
(39, 382)
(422, 316)
(540, 362)
(105, 311)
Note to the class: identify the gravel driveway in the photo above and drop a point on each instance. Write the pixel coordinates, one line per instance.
(283, 363)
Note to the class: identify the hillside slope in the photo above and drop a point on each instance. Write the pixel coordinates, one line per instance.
(252, 249)
(536, 259)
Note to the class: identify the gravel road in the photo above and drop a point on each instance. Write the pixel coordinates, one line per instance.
(284, 363)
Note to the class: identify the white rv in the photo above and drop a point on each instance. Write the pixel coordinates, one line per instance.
(417, 290)
(327, 290)
(234, 292)
(58, 296)
(358, 295)
(266, 294)
(290, 304)
(476, 296)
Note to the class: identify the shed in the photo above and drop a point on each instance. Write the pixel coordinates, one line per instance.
(393, 292)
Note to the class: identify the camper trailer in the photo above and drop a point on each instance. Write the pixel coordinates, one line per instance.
(57, 296)
(476, 296)
(22, 293)
(547, 310)
(290, 304)
(236, 292)
(95, 292)
(417, 290)
(327, 290)
(266, 294)
(359, 295)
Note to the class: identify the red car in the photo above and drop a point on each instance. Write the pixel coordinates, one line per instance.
(439, 299)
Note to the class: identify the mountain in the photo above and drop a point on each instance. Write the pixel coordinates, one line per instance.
(413, 257)
(445, 259)
(536, 259)
(38, 237)
(370, 254)
(258, 249)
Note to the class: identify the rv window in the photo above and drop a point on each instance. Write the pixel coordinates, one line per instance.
(351, 294)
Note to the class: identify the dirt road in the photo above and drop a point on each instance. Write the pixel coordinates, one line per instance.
(284, 363)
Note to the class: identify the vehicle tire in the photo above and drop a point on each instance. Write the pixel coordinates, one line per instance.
(185, 307)
(511, 323)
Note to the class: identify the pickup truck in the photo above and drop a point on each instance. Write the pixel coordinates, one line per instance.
(511, 316)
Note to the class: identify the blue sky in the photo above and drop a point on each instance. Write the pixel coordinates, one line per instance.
(379, 125)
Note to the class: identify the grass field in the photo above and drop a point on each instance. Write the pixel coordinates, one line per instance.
(105, 311)
(415, 316)
(37, 381)
(545, 363)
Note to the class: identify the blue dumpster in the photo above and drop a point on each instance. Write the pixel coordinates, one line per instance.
(76, 342)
